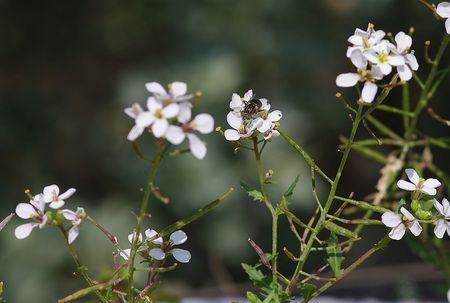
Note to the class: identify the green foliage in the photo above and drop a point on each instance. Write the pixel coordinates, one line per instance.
(334, 256)
(252, 297)
(253, 193)
(307, 291)
(339, 230)
(291, 188)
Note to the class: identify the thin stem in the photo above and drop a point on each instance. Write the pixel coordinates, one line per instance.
(144, 205)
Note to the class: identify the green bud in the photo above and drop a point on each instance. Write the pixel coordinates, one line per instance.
(427, 205)
(415, 205)
(423, 214)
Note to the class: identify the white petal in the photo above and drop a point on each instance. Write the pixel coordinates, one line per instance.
(204, 123)
(446, 206)
(236, 102)
(397, 232)
(386, 68)
(355, 40)
(57, 204)
(157, 254)
(73, 234)
(347, 79)
(448, 295)
(67, 194)
(407, 214)
(234, 120)
(415, 228)
(135, 132)
(175, 134)
(447, 26)
(133, 111)
(69, 215)
(431, 182)
(24, 230)
(177, 89)
(181, 255)
(153, 104)
(404, 72)
(248, 95)
(145, 119)
(412, 61)
(159, 127)
(396, 60)
(403, 41)
(358, 60)
(155, 88)
(170, 110)
(391, 219)
(428, 190)
(232, 135)
(150, 233)
(25, 210)
(439, 207)
(405, 185)
(265, 126)
(178, 237)
(50, 191)
(185, 112)
(440, 228)
(443, 9)
(197, 146)
(130, 237)
(275, 116)
(368, 92)
(125, 253)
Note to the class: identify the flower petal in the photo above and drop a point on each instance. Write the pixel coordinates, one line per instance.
(181, 255)
(25, 210)
(412, 175)
(130, 238)
(204, 123)
(439, 207)
(234, 120)
(368, 92)
(57, 204)
(145, 119)
(197, 146)
(403, 41)
(275, 116)
(358, 59)
(175, 134)
(404, 72)
(412, 61)
(347, 79)
(407, 214)
(397, 232)
(446, 206)
(443, 9)
(50, 191)
(155, 88)
(178, 237)
(135, 132)
(170, 110)
(67, 194)
(157, 254)
(73, 234)
(447, 26)
(150, 233)
(391, 219)
(415, 228)
(185, 112)
(232, 135)
(177, 89)
(125, 253)
(265, 126)
(405, 185)
(431, 182)
(248, 95)
(236, 103)
(440, 228)
(428, 190)
(69, 215)
(133, 111)
(24, 230)
(159, 127)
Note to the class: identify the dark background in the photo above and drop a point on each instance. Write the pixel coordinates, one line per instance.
(67, 70)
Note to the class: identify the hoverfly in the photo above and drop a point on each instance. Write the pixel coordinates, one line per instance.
(251, 109)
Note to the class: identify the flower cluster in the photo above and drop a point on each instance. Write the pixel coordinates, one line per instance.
(169, 115)
(421, 206)
(35, 210)
(250, 115)
(375, 57)
(157, 248)
(443, 10)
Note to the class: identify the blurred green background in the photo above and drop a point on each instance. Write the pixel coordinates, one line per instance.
(67, 70)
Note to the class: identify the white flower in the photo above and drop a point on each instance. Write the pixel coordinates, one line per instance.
(364, 40)
(240, 129)
(272, 132)
(363, 75)
(126, 252)
(51, 195)
(34, 210)
(443, 10)
(381, 56)
(75, 218)
(176, 93)
(400, 223)
(176, 238)
(203, 123)
(403, 48)
(157, 116)
(427, 186)
(133, 112)
(268, 120)
(442, 225)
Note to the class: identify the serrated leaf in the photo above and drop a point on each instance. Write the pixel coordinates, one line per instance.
(253, 193)
(257, 277)
(291, 188)
(307, 291)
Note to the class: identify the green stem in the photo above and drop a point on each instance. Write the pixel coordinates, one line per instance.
(144, 205)
(329, 201)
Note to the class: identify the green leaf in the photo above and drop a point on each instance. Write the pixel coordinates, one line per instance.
(334, 256)
(339, 230)
(252, 297)
(307, 291)
(291, 188)
(260, 280)
(253, 193)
